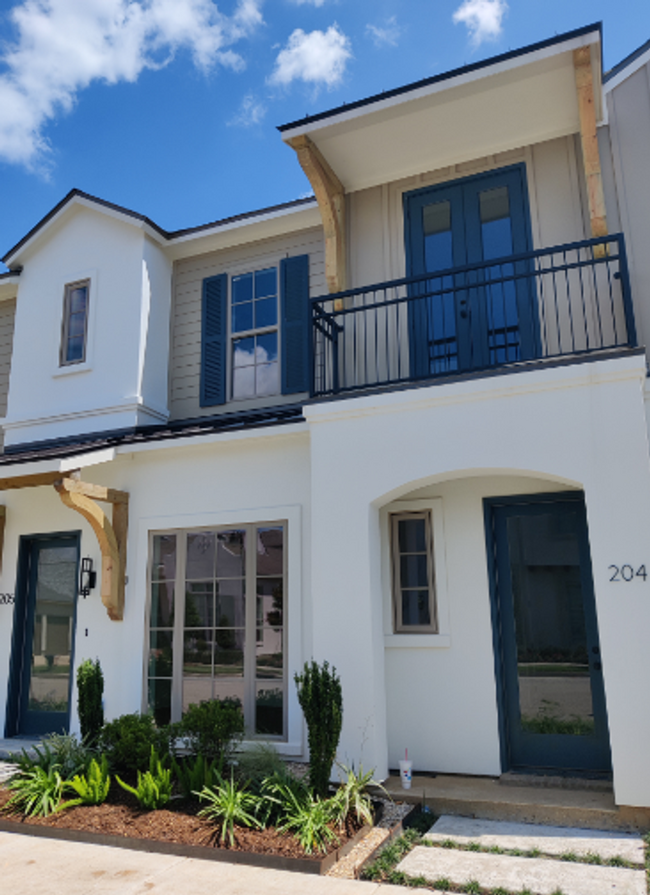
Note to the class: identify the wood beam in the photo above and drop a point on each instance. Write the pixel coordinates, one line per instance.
(589, 141)
(111, 536)
(330, 194)
(30, 481)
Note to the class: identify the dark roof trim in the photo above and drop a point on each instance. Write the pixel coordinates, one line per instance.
(11, 273)
(166, 234)
(445, 76)
(627, 61)
(95, 441)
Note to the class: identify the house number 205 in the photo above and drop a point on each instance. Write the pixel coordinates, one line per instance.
(627, 573)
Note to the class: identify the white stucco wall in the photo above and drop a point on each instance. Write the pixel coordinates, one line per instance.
(123, 381)
(578, 427)
(562, 425)
(226, 480)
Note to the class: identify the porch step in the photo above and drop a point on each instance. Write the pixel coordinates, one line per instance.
(485, 797)
(556, 782)
(538, 875)
(15, 745)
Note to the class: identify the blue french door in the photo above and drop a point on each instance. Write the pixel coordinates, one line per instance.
(477, 317)
(546, 634)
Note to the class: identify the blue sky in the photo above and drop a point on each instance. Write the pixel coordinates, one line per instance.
(170, 107)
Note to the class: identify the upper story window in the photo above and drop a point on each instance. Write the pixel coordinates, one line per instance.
(254, 333)
(75, 323)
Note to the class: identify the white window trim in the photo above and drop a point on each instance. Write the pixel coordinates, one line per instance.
(292, 518)
(238, 270)
(393, 640)
(92, 277)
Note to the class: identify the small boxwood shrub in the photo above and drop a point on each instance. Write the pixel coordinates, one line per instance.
(128, 740)
(213, 729)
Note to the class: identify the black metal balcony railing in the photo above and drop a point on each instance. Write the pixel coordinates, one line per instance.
(557, 302)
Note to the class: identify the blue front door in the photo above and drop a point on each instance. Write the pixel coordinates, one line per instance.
(549, 665)
(477, 317)
(43, 638)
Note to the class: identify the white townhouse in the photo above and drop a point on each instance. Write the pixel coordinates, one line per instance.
(400, 426)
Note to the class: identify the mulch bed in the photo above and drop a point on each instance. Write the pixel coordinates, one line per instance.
(178, 823)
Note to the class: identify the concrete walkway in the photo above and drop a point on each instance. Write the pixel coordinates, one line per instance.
(541, 859)
(29, 864)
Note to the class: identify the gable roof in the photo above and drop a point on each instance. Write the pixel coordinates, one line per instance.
(79, 197)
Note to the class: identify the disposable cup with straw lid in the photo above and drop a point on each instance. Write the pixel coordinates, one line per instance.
(405, 769)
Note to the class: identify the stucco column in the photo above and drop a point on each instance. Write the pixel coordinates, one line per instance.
(346, 598)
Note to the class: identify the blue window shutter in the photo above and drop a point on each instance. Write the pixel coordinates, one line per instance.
(213, 340)
(294, 295)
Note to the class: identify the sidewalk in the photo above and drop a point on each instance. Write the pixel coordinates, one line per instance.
(29, 864)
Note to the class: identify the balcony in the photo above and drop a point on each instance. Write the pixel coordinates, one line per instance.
(568, 301)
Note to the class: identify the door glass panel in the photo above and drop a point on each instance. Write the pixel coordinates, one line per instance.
(555, 694)
(438, 255)
(501, 297)
(56, 588)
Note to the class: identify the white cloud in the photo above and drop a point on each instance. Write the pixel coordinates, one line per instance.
(251, 112)
(317, 57)
(308, 2)
(483, 18)
(386, 36)
(62, 46)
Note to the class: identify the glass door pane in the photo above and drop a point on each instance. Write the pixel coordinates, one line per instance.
(53, 592)
(554, 681)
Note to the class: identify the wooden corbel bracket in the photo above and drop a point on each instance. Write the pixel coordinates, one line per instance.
(111, 534)
(330, 194)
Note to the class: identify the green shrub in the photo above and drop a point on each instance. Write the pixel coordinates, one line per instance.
(154, 787)
(321, 700)
(213, 728)
(91, 788)
(128, 740)
(228, 805)
(256, 764)
(193, 774)
(37, 792)
(90, 687)
(63, 751)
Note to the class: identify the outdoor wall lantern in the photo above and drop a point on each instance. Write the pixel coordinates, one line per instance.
(87, 577)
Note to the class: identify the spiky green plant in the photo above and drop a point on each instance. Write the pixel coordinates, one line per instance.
(308, 818)
(352, 797)
(228, 805)
(91, 788)
(37, 792)
(154, 788)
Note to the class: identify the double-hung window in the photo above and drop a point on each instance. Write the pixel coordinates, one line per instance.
(74, 328)
(216, 623)
(414, 597)
(255, 333)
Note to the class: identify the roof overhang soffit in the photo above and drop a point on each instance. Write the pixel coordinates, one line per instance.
(523, 101)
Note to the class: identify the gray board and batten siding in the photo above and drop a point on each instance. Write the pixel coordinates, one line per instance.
(7, 318)
(625, 151)
(185, 366)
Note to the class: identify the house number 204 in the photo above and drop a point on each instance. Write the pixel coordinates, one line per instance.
(627, 573)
